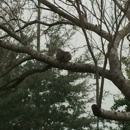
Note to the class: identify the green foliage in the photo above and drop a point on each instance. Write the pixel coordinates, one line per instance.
(122, 102)
(48, 101)
(54, 100)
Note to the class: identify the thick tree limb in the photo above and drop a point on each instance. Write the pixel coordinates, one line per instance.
(112, 115)
(114, 60)
(76, 67)
(117, 78)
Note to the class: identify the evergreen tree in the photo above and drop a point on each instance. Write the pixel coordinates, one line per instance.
(48, 101)
(52, 100)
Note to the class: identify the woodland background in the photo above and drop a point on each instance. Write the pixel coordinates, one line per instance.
(38, 92)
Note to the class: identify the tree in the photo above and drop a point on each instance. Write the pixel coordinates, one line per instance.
(104, 25)
(121, 103)
(51, 100)
(125, 104)
(47, 101)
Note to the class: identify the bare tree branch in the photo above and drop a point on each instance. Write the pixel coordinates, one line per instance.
(88, 25)
(15, 65)
(13, 83)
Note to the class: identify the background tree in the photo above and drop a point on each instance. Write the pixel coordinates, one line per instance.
(51, 100)
(46, 101)
(122, 105)
(103, 24)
